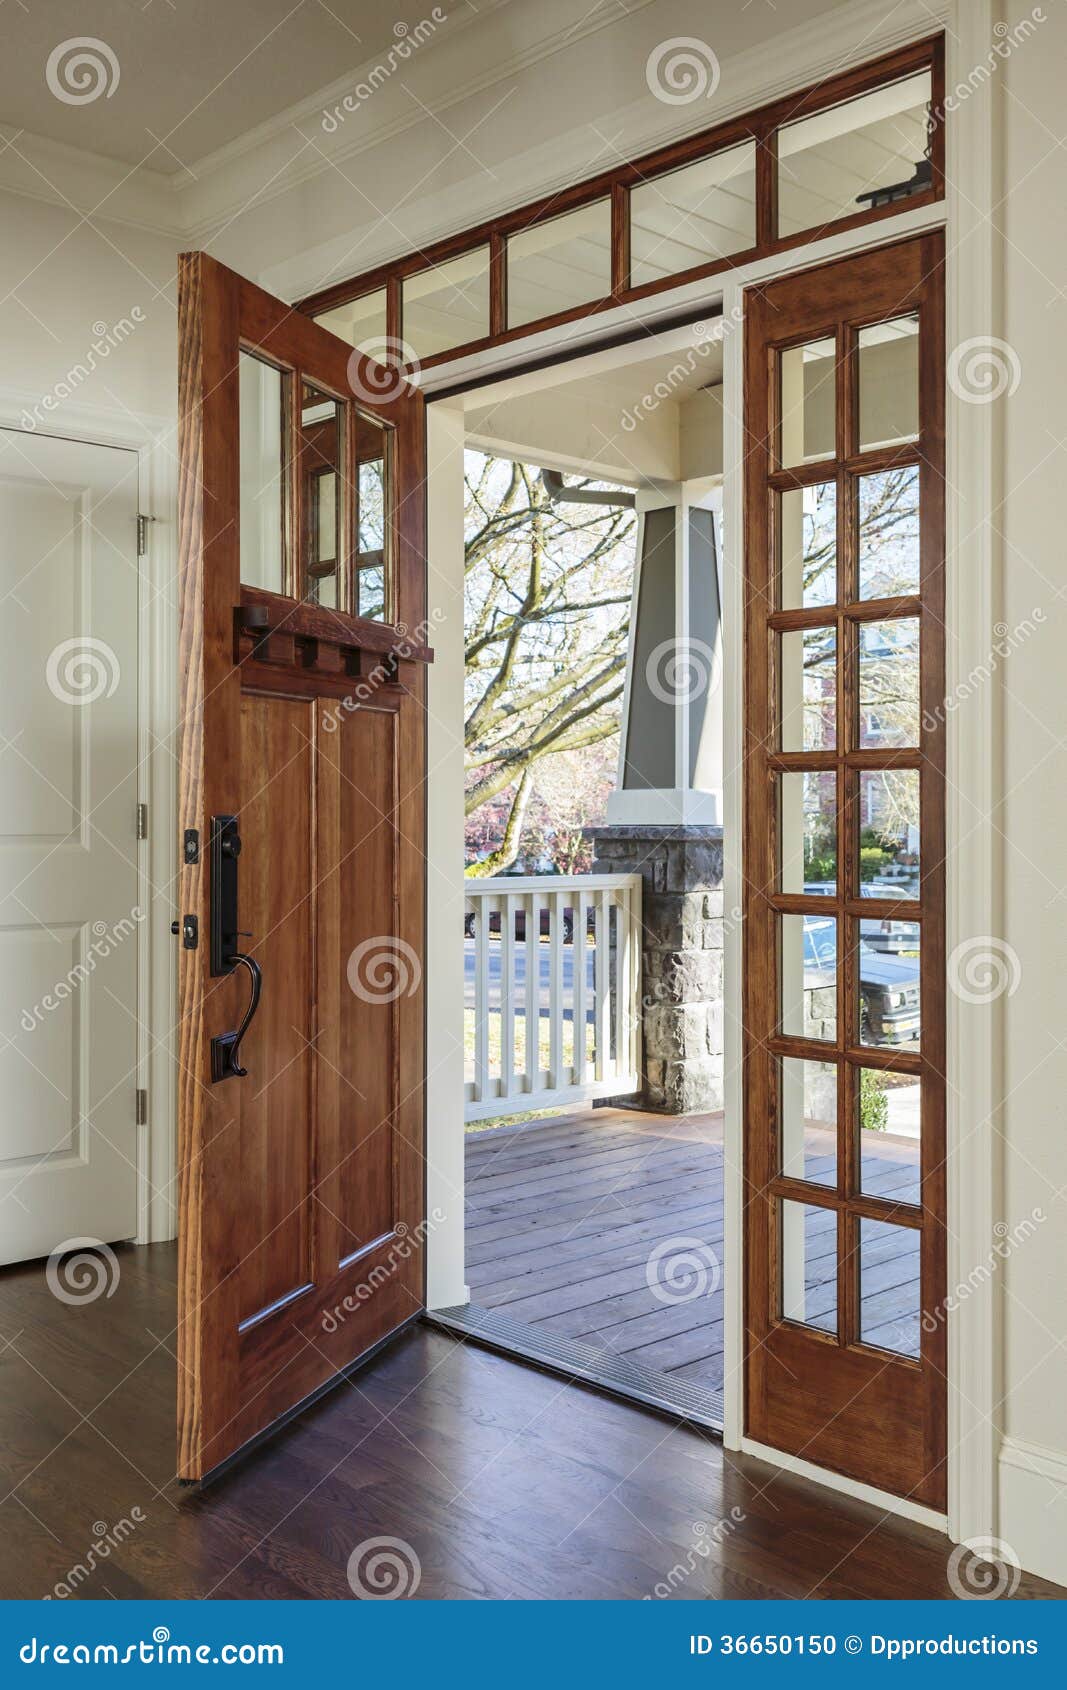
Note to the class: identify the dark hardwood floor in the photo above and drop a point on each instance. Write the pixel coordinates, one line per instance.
(502, 1481)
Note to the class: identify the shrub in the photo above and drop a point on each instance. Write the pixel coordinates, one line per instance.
(874, 1108)
(820, 868)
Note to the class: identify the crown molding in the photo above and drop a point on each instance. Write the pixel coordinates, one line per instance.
(108, 425)
(310, 109)
(134, 196)
(275, 157)
(453, 69)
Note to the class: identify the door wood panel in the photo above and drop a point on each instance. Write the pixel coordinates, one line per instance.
(360, 1195)
(876, 1414)
(278, 906)
(302, 1183)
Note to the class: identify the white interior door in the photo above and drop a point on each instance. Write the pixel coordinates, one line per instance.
(69, 915)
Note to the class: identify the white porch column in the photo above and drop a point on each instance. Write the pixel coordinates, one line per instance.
(664, 818)
(670, 757)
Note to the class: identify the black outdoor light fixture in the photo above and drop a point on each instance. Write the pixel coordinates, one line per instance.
(922, 179)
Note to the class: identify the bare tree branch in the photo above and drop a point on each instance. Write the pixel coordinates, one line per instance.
(547, 611)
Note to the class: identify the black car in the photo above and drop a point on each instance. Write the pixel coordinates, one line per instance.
(889, 985)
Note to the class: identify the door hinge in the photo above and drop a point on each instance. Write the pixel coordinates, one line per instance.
(142, 532)
(142, 821)
(141, 1115)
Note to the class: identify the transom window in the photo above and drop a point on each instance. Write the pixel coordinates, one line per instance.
(856, 147)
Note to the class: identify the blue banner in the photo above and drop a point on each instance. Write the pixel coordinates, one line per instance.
(507, 1646)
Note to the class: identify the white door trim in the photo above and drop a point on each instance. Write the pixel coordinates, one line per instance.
(152, 440)
(975, 1045)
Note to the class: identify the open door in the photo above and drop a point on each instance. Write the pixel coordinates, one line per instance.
(300, 927)
(844, 929)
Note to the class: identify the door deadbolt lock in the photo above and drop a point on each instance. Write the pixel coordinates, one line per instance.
(189, 930)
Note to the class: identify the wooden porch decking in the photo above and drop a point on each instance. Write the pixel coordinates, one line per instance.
(563, 1215)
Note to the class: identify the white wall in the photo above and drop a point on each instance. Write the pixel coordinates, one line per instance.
(1033, 816)
(61, 278)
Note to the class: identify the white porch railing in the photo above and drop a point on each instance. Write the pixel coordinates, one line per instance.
(552, 990)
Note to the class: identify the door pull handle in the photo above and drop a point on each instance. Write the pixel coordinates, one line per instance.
(226, 1049)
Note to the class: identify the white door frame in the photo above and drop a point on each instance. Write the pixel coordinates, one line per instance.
(975, 1031)
(157, 633)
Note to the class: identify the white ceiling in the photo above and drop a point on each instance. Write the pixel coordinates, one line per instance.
(194, 73)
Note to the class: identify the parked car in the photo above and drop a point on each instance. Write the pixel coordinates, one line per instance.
(889, 985)
(544, 923)
(891, 935)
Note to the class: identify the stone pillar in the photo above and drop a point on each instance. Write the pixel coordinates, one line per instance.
(682, 957)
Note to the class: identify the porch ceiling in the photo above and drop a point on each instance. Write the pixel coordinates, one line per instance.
(619, 415)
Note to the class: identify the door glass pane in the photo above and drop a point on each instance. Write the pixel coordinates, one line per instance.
(261, 393)
(691, 216)
(889, 845)
(808, 1254)
(890, 1006)
(373, 520)
(361, 322)
(447, 305)
(807, 403)
(889, 1130)
(559, 264)
(322, 424)
(889, 682)
(807, 546)
(838, 162)
(807, 831)
(889, 383)
(807, 1112)
(889, 533)
(890, 1302)
(808, 976)
(807, 689)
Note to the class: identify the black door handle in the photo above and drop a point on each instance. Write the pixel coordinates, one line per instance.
(230, 1041)
(225, 1051)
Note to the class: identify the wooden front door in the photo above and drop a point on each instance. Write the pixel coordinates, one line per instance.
(844, 968)
(302, 667)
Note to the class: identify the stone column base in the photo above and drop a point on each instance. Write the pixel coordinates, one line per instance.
(681, 960)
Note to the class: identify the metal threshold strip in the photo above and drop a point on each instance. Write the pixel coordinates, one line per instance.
(587, 1362)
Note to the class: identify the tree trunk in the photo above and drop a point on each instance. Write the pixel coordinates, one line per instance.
(508, 849)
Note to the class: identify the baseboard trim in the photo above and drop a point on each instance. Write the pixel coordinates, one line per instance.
(897, 1505)
(1032, 1516)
